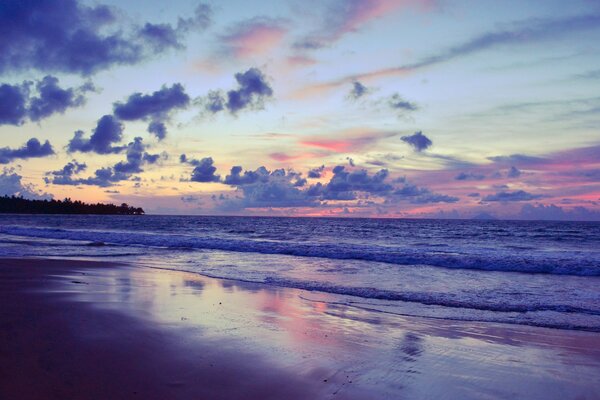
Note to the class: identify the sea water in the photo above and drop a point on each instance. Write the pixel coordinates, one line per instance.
(519, 272)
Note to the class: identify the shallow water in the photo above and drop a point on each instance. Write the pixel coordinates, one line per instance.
(534, 273)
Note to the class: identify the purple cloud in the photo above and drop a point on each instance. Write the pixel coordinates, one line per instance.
(252, 90)
(32, 149)
(17, 102)
(108, 131)
(418, 141)
(68, 36)
(518, 195)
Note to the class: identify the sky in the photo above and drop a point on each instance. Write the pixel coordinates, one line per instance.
(345, 108)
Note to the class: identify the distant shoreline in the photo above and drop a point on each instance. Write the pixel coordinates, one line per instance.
(20, 205)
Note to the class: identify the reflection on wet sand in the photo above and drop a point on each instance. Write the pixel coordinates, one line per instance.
(352, 350)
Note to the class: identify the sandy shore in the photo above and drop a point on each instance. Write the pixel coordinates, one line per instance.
(88, 330)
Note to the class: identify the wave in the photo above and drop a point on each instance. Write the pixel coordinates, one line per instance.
(425, 298)
(559, 263)
(436, 305)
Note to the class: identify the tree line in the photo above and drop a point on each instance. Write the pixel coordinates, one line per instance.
(19, 205)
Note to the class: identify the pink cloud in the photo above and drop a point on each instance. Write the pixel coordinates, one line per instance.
(348, 141)
(350, 15)
(257, 36)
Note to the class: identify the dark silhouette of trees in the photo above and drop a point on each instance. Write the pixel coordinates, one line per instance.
(19, 205)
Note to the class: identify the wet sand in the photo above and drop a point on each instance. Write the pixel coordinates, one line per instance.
(89, 330)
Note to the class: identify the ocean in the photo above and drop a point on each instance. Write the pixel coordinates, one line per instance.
(518, 272)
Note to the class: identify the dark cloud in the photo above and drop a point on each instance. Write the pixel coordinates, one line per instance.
(251, 93)
(107, 132)
(236, 177)
(11, 185)
(53, 99)
(358, 90)
(264, 188)
(204, 171)
(418, 141)
(65, 175)
(161, 36)
(66, 36)
(32, 149)
(13, 103)
(316, 172)
(343, 185)
(513, 172)
(421, 195)
(253, 88)
(398, 103)
(17, 102)
(517, 159)
(518, 195)
(156, 105)
(469, 176)
(158, 129)
(136, 158)
(103, 177)
(214, 102)
(556, 213)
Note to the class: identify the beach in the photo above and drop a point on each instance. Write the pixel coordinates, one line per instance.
(96, 330)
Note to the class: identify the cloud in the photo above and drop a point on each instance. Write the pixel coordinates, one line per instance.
(281, 188)
(396, 102)
(203, 171)
(253, 37)
(64, 176)
(556, 213)
(264, 188)
(158, 129)
(522, 32)
(518, 195)
(249, 177)
(156, 105)
(17, 102)
(70, 37)
(358, 90)
(513, 172)
(516, 158)
(418, 141)
(136, 158)
(252, 90)
(469, 176)
(32, 149)
(343, 185)
(345, 16)
(108, 131)
(315, 173)
(348, 141)
(421, 195)
(11, 185)
(53, 99)
(13, 107)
